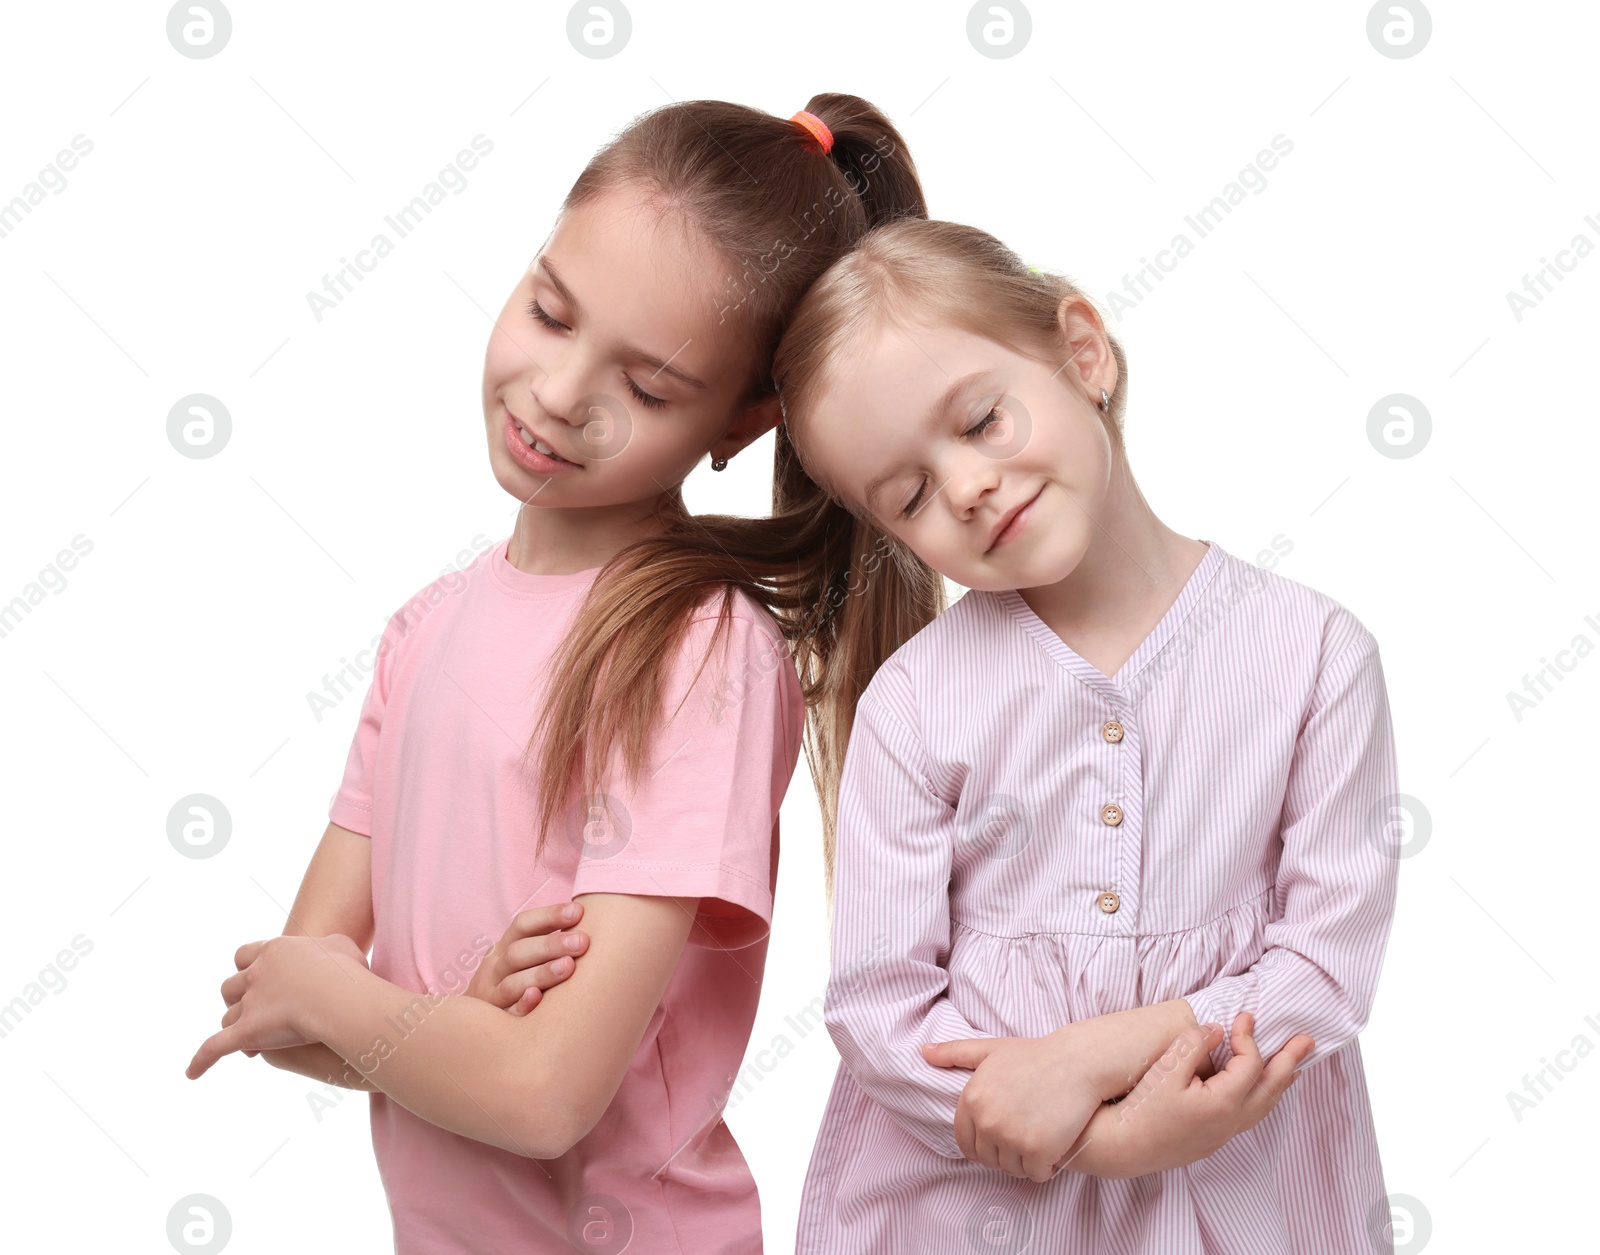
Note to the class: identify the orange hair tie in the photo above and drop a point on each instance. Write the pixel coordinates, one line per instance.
(818, 128)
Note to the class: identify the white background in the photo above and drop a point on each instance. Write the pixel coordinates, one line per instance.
(218, 592)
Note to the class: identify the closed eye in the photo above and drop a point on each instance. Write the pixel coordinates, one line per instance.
(539, 312)
(977, 429)
(639, 394)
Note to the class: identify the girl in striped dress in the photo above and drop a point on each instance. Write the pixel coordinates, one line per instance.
(1130, 795)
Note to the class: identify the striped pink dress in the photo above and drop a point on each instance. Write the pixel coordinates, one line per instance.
(1024, 842)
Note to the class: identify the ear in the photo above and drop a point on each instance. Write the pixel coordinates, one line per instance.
(754, 421)
(1089, 356)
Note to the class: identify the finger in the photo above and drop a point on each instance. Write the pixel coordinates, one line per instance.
(1276, 1079)
(233, 988)
(545, 919)
(1181, 1059)
(1039, 1167)
(543, 976)
(1242, 1078)
(529, 1000)
(1279, 1072)
(1012, 1160)
(212, 1049)
(987, 1151)
(966, 1131)
(968, 1052)
(245, 955)
(528, 952)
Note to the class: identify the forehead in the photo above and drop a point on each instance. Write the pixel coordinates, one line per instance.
(638, 273)
(872, 401)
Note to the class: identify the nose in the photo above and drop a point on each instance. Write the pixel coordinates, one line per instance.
(970, 479)
(557, 382)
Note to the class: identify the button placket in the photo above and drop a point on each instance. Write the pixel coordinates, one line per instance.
(1122, 823)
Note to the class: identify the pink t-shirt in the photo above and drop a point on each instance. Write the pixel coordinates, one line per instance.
(433, 777)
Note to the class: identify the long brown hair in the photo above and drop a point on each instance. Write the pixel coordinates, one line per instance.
(757, 188)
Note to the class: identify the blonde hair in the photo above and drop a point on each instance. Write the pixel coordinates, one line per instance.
(897, 274)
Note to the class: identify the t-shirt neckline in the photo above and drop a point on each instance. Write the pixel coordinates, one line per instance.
(520, 583)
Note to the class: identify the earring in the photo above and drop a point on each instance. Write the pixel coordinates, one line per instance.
(719, 464)
(1105, 401)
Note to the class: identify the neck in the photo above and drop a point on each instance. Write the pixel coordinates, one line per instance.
(1134, 562)
(564, 540)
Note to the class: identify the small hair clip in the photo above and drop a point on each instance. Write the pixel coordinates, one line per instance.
(818, 128)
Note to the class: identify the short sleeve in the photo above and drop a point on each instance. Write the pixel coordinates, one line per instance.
(351, 805)
(701, 820)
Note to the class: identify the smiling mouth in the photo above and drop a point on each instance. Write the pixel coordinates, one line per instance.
(529, 439)
(1004, 529)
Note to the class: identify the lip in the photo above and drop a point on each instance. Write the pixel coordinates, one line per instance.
(526, 455)
(1011, 522)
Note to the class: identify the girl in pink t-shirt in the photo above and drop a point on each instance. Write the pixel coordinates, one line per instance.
(1130, 790)
(602, 707)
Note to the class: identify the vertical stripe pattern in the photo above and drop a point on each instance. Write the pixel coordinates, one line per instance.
(1025, 842)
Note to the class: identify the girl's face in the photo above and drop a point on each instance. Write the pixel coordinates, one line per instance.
(990, 466)
(610, 354)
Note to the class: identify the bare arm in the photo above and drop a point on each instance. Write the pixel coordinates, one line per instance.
(335, 897)
(533, 1084)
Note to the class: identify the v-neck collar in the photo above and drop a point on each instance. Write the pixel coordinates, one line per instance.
(1117, 686)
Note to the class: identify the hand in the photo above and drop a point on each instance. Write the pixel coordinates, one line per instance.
(267, 996)
(233, 991)
(530, 957)
(1174, 1117)
(1030, 1097)
(1026, 1104)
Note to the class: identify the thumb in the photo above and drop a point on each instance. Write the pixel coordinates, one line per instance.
(1189, 1048)
(967, 1052)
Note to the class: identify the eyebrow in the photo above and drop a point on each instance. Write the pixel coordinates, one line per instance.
(935, 411)
(629, 352)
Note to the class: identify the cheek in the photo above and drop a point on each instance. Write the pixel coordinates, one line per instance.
(658, 446)
(503, 356)
(1080, 452)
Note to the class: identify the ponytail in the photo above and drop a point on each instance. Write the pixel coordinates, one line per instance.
(758, 189)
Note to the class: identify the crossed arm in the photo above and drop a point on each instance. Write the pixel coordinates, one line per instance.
(1318, 972)
(533, 1084)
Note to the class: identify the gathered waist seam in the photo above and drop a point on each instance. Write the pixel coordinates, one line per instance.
(1171, 932)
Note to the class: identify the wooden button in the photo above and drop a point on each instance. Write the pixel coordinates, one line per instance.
(1109, 902)
(1111, 814)
(1112, 731)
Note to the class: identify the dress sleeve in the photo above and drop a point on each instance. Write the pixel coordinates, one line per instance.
(701, 822)
(1337, 875)
(887, 989)
(351, 805)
